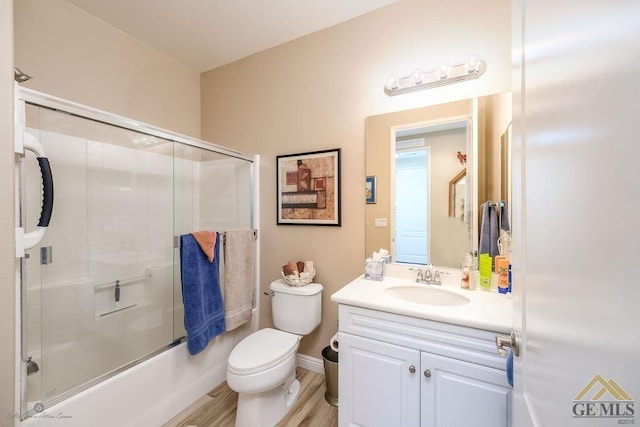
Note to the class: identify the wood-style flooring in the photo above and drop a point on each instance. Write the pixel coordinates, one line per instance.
(218, 407)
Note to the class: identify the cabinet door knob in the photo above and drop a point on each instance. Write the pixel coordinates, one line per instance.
(412, 369)
(427, 373)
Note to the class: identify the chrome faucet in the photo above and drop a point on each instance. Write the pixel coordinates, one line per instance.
(429, 276)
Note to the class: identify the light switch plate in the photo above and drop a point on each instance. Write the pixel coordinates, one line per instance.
(380, 222)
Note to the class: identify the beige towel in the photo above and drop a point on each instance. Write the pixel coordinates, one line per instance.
(309, 267)
(207, 242)
(238, 277)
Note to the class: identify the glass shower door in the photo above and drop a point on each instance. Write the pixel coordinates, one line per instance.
(102, 291)
(99, 286)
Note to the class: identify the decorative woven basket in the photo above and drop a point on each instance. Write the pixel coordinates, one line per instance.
(304, 279)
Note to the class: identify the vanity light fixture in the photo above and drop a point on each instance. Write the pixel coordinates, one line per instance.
(444, 74)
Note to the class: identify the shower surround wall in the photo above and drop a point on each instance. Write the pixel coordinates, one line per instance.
(121, 196)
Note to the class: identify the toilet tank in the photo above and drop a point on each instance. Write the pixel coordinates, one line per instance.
(296, 309)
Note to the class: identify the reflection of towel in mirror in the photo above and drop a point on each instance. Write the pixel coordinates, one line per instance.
(202, 299)
(489, 230)
(238, 277)
(504, 216)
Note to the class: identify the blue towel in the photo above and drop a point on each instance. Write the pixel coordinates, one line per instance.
(510, 367)
(489, 230)
(201, 296)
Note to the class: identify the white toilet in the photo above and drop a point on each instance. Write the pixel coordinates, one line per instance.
(262, 367)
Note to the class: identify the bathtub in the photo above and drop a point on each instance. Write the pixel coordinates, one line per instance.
(149, 393)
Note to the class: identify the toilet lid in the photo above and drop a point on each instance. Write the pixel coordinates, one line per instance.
(262, 350)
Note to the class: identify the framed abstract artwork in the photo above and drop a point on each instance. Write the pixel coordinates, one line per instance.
(308, 188)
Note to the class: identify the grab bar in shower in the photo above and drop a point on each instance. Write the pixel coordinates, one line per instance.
(121, 282)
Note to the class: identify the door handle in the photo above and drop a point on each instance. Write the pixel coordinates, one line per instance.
(512, 341)
(32, 238)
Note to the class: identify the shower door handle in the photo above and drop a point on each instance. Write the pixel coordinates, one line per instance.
(31, 239)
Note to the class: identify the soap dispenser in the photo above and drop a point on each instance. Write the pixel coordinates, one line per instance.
(467, 262)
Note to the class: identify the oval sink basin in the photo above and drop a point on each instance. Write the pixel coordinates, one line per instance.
(426, 295)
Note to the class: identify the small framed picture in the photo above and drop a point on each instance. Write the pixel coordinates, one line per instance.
(308, 188)
(370, 189)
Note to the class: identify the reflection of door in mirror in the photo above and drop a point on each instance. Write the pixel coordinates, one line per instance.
(426, 158)
(411, 204)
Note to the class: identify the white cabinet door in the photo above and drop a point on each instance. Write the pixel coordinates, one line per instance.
(456, 393)
(377, 387)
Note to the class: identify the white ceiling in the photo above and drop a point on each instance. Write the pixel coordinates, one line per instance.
(205, 34)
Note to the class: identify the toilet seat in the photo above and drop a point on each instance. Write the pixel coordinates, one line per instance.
(262, 350)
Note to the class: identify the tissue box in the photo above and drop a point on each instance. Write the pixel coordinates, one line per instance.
(373, 270)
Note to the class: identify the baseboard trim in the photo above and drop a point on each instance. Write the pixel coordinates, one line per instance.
(311, 363)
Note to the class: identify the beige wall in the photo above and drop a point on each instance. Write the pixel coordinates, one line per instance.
(314, 93)
(75, 56)
(7, 250)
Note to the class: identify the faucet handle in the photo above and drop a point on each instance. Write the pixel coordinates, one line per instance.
(420, 275)
(436, 276)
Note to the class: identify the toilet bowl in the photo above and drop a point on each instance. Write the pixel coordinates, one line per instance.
(262, 361)
(261, 368)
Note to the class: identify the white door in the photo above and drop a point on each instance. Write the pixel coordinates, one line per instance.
(412, 207)
(576, 209)
(379, 384)
(455, 393)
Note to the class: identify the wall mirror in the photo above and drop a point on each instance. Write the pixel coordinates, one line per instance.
(434, 166)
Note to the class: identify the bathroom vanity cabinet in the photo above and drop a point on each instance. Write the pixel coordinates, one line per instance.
(397, 370)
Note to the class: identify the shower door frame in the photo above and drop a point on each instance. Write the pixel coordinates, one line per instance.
(24, 96)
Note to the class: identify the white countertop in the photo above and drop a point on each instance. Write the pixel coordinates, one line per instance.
(487, 310)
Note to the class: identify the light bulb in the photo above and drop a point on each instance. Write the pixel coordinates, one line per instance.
(417, 76)
(392, 83)
(443, 71)
(473, 64)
